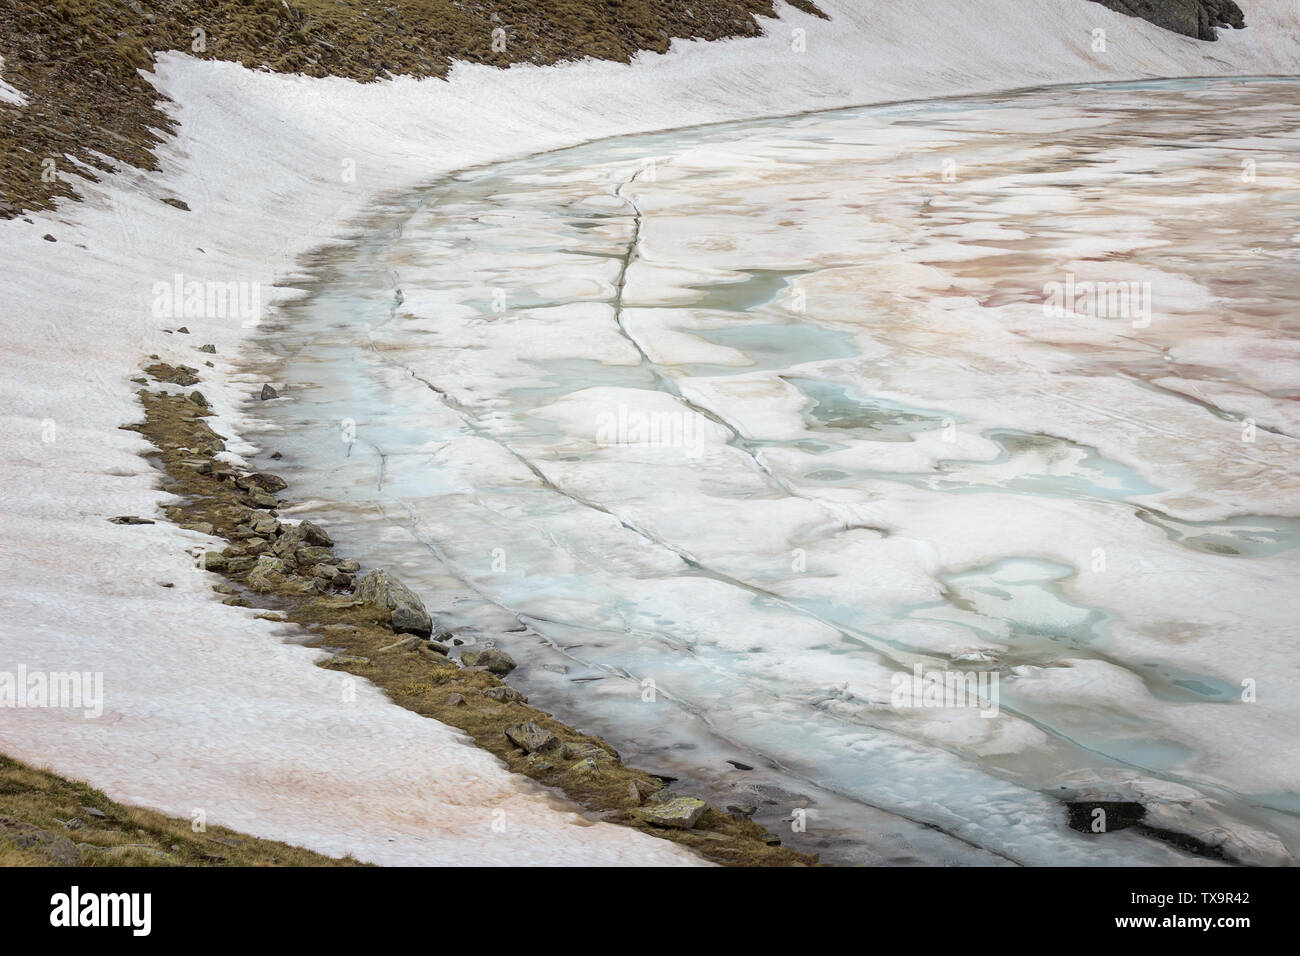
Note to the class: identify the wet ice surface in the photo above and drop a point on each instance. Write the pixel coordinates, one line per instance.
(742, 421)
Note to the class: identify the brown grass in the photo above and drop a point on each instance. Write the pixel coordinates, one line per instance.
(47, 820)
(78, 60)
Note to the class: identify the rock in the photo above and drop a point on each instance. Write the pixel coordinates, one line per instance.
(680, 813)
(505, 694)
(309, 557)
(49, 238)
(53, 847)
(197, 398)
(408, 613)
(209, 348)
(130, 519)
(583, 750)
(262, 500)
(240, 565)
(455, 700)
(269, 393)
(268, 574)
(493, 659)
(313, 533)
(539, 763)
(742, 809)
(177, 203)
(199, 466)
(438, 647)
(183, 330)
(263, 480)
(532, 738)
(235, 601)
(406, 643)
(584, 769)
(213, 561)
(740, 766)
(263, 525)
(202, 527)
(347, 567)
(1193, 18)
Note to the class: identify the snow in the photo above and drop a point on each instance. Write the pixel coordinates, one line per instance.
(208, 709)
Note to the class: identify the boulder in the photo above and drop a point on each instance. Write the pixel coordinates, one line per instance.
(532, 738)
(680, 813)
(408, 613)
(268, 574)
(493, 659)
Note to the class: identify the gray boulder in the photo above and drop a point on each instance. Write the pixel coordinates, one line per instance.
(681, 813)
(408, 613)
(532, 738)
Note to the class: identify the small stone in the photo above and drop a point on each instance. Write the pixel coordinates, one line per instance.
(269, 393)
(493, 659)
(348, 659)
(505, 694)
(262, 500)
(680, 813)
(183, 330)
(209, 348)
(455, 700)
(438, 646)
(49, 238)
(202, 527)
(235, 601)
(213, 561)
(264, 525)
(532, 738)
(539, 763)
(584, 768)
(741, 809)
(177, 203)
(197, 398)
(587, 751)
(130, 519)
(349, 566)
(405, 643)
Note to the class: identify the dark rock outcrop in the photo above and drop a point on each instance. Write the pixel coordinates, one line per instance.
(1193, 18)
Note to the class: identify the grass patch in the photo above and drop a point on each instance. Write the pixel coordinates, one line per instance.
(48, 820)
(78, 61)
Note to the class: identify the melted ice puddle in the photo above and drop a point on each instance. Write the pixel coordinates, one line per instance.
(743, 423)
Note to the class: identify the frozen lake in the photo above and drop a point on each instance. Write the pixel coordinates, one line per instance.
(720, 431)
